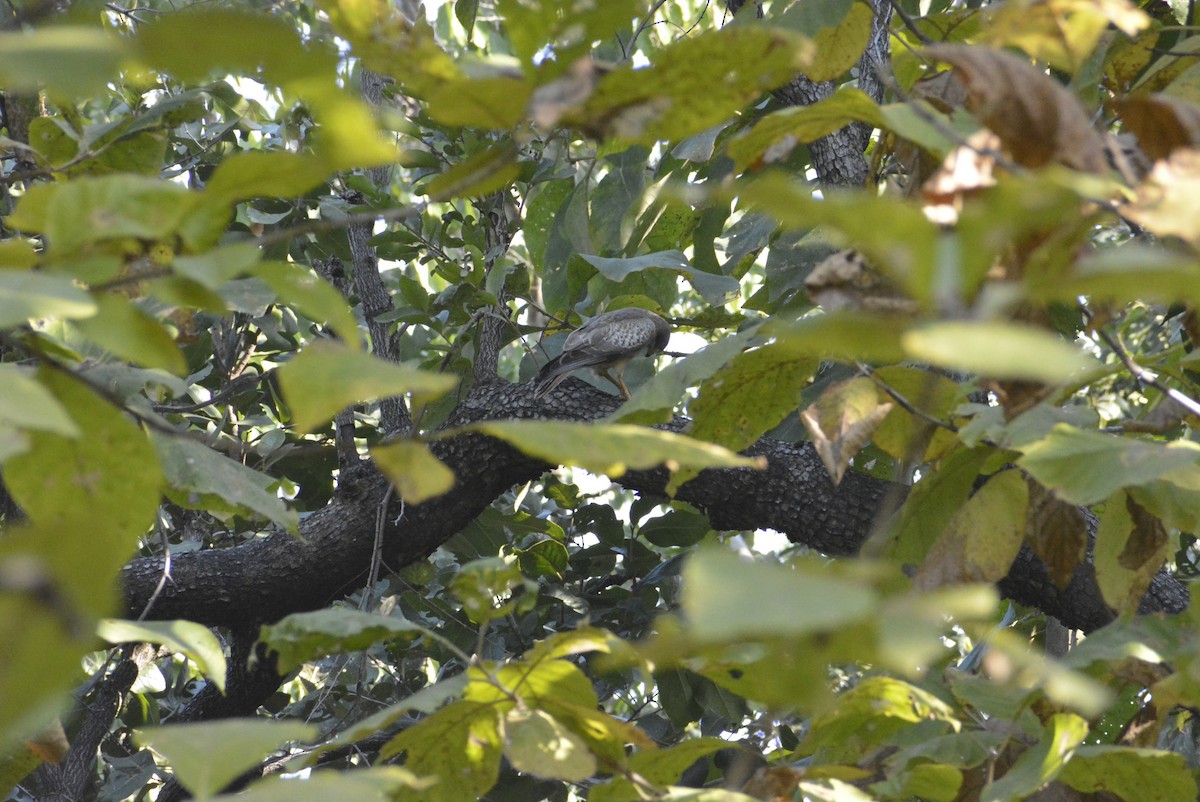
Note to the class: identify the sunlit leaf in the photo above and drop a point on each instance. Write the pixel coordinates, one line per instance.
(327, 377)
(26, 404)
(122, 328)
(726, 598)
(375, 784)
(873, 710)
(34, 296)
(611, 449)
(225, 40)
(774, 136)
(1087, 467)
(842, 420)
(536, 743)
(185, 637)
(460, 745)
(1042, 763)
(207, 756)
(730, 68)
(301, 637)
(63, 59)
(1130, 547)
(194, 468)
(412, 468)
(996, 350)
(982, 539)
(1148, 775)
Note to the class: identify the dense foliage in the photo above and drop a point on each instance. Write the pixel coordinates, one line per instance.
(281, 511)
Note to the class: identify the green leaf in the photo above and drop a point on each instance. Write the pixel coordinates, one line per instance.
(213, 268)
(480, 174)
(17, 254)
(123, 329)
(111, 207)
(460, 745)
(35, 296)
(729, 68)
(70, 60)
(610, 449)
(1041, 763)
(1118, 274)
(996, 350)
(327, 377)
(1131, 545)
(780, 131)
(274, 174)
(222, 41)
(106, 480)
(654, 400)
(538, 744)
(312, 296)
(658, 766)
(982, 539)
(839, 38)
(845, 336)
(1147, 775)
(207, 756)
(413, 469)
(930, 782)
(728, 599)
(842, 420)
(901, 431)
(873, 711)
(716, 289)
(426, 700)
(547, 558)
(481, 584)
(1087, 467)
(538, 681)
(194, 468)
(27, 404)
(497, 102)
(376, 784)
(88, 497)
(302, 637)
(676, 528)
(896, 237)
(184, 637)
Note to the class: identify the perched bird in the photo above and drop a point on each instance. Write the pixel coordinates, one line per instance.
(607, 341)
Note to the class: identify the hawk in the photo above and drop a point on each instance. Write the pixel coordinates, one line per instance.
(606, 341)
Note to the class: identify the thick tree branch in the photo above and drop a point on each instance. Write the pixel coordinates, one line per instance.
(271, 577)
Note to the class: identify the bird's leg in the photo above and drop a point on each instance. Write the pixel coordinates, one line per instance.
(617, 382)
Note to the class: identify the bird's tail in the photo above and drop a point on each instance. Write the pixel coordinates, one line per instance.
(550, 375)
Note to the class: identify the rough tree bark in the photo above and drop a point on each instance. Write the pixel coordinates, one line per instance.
(268, 578)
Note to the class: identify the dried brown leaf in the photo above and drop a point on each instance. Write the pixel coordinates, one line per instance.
(967, 170)
(1144, 549)
(982, 539)
(844, 280)
(842, 421)
(1168, 201)
(1056, 531)
(1039, 121)
(1161, 123)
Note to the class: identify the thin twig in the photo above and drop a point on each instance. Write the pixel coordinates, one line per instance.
(907, 405)
(910, 23)
(1145, 376)
(325, 224)
(163, 578)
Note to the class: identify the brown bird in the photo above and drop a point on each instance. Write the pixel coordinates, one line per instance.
(607, 341)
